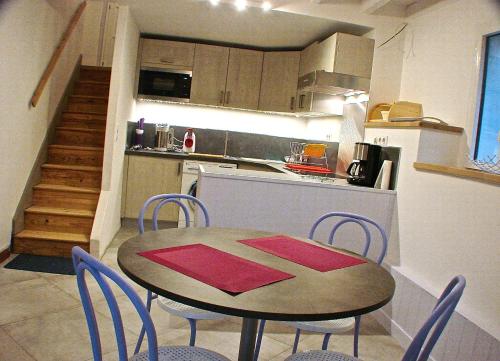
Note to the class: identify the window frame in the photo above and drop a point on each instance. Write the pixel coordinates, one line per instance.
(482, 58)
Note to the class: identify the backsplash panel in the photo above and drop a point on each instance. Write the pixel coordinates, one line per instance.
(239, 144)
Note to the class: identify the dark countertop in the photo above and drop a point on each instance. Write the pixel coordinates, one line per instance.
(204, 157)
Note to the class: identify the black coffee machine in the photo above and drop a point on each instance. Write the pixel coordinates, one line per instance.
(365, 166)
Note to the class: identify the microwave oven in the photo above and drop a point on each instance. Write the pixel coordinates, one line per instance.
(165, 84)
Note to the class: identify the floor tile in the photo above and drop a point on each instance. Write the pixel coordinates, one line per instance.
(32, 298)
(62, 336)
(10, 350)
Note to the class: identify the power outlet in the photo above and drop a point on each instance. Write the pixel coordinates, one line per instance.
(383, 141)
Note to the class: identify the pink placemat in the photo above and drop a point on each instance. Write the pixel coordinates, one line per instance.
(303, 253)
(216, 268)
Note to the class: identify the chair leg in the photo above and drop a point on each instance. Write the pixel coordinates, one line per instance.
(192, 339)
(149, 299)
(357, 323)
(258, 342)
(296, 342)
(325, 341)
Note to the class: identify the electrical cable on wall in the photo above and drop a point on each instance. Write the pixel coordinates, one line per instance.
(392, 37)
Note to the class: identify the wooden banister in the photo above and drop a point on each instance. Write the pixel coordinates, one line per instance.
(57, 53)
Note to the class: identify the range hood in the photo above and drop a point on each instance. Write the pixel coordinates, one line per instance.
(332, 83)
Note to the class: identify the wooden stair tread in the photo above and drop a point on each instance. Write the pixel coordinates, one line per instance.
(61, 211)
(84, 168)
(93, 82)
(63, 188)
(89, 97)
(57, 236)
(97, 68)
(76, 147)
(85, 114)
(84, 130)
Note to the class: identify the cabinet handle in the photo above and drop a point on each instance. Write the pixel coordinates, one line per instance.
(292, 103)
(166, 61)
(228, 94)
(178, 168)
(221, 99)
(301, 100)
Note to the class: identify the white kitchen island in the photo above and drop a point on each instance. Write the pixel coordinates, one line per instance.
(290, 203)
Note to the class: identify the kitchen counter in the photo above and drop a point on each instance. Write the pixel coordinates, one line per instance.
(273, 171)
(266, 164)
(285, 176)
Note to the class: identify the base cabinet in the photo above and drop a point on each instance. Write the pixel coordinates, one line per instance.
(148, 176)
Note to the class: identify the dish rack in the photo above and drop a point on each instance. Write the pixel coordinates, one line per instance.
(308, 159)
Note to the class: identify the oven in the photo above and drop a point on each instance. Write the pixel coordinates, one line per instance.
(165, 84)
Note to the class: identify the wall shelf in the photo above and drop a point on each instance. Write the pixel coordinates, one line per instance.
(422, 124)
(459, 172)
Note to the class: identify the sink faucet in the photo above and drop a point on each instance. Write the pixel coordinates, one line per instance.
(225, 143)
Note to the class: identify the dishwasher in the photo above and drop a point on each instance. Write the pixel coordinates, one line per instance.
(190, 170)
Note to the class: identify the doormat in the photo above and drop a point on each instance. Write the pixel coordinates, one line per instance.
(46, 264)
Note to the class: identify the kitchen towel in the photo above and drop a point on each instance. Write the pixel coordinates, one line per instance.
(305, 254)
(216, 268)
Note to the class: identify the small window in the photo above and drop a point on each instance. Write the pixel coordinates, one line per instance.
(488, 129)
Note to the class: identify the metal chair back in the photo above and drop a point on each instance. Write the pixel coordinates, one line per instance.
(164, 199)
(423, 343)
(83, 263)
(362, 221)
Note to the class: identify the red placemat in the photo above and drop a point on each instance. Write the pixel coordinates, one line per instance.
(216, 268)
(303, 253)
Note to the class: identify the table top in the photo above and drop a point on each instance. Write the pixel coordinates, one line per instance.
(310, 296)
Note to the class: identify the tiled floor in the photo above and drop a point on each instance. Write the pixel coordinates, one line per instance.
(41, 318)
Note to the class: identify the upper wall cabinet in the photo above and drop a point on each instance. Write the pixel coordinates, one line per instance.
(279, 81)
(167, 54)
(209, 74)
(243, 78)
(340, 53)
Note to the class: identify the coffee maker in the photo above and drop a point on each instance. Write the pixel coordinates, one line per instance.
(365, 166)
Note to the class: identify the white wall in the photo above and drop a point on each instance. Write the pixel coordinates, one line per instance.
(29, 32)
(441, 60)
(120, 110)
(448, 225)
(238, 120)
(91, 32)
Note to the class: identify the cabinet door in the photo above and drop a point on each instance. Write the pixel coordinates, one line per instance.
(354, 55)
(167, 54)
(308, 59)
(147, 177)
(279, 81)
(243, 78)
(209, 74)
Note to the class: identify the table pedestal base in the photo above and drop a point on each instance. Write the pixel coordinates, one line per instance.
(247, 340)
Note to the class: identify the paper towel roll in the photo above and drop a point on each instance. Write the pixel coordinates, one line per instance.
(384, 176)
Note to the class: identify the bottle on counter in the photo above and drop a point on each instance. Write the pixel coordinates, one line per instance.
(139, 131)
(189, 144)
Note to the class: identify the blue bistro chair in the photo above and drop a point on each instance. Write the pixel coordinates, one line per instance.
(422, 345)
(83, 262)
(340, 325)
(192, 314)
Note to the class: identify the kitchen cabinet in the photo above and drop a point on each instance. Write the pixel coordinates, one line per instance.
(209, 74)
(279, 81)
(243, 78)
(149, 176)
(167, 54)
(340, 53)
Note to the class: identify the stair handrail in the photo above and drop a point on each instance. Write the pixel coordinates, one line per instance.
(57, 53)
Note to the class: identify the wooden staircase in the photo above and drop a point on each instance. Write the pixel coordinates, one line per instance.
(64, 202)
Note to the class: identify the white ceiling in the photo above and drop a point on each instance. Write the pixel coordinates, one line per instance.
(198, 19)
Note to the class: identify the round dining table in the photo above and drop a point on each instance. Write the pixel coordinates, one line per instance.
(309, 296)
